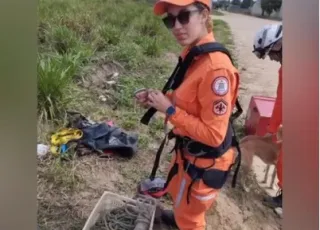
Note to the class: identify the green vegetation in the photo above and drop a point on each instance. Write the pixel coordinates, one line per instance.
(72, 32)
(217, 13)
(223, 34)
(269, 6)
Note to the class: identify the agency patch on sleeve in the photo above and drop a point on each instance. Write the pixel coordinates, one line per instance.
(220, 86)
(220, 107)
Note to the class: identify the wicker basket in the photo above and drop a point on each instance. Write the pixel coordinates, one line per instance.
(110, 201)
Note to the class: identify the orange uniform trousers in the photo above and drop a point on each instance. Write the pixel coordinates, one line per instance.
(191, 216)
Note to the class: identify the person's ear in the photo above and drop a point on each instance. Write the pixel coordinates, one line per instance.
(204, 16)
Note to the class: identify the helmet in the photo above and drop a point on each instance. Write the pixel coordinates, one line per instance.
(265, 39)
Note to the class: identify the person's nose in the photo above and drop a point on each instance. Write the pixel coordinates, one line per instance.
(177, 24)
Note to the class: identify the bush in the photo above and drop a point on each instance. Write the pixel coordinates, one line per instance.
(268, 6)
(246, 4)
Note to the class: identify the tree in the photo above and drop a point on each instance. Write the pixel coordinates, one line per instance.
(277, 5)
(268, 6)
(246, 4)
(224, 3)
(236, 2)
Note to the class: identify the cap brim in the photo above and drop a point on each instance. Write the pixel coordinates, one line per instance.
(161, 6)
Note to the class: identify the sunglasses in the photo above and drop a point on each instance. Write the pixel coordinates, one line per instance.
(183, 17)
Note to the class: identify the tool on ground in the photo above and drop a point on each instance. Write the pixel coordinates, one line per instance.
(116, 212)
(63, 137)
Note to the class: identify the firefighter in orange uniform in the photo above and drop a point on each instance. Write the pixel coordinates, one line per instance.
(268, 42)
(200, 110)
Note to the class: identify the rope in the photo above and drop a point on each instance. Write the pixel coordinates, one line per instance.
(131, 216)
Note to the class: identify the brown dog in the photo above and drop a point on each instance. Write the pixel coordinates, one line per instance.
(262, 147)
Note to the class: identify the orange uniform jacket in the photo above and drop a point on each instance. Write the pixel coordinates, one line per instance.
(195, 99)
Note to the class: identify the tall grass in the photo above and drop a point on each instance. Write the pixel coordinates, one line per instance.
(55, 74)
(223, 34)
(71, 32)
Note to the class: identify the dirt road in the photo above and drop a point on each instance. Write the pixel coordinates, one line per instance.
(235, 210)
(258, 77)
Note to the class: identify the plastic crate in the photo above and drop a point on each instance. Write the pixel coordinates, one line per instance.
(109, 202)
(258, 115)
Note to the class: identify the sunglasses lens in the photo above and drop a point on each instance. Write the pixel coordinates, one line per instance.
(169, 21)
(184, 17)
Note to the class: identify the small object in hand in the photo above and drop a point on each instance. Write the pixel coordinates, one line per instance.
(139, 91)
(141, 96)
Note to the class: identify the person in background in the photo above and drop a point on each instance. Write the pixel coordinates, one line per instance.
(268, 42)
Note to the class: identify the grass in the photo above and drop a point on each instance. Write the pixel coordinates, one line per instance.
(224, 35)
(72, 32)
(76, 39)
(217, 13)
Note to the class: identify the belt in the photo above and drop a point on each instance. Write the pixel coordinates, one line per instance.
(198, 149)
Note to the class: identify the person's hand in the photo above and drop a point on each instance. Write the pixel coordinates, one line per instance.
(158, 100)
(142, 98)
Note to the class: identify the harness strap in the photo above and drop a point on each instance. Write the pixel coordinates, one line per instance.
(167, 137)
(235, 142)
(180, 70)
(189, 188)
(151, 111)
(239, 111)
(195, 174)
(236, 172)
(191, 169)
(173, 171)
(157, 160)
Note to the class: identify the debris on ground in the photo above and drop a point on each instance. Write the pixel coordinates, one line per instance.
(102, 76)
(103, 138)
(102, 98)
(279, 212)
(42, 150)
(60, 140)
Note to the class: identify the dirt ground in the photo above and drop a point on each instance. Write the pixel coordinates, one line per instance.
(258, 77)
